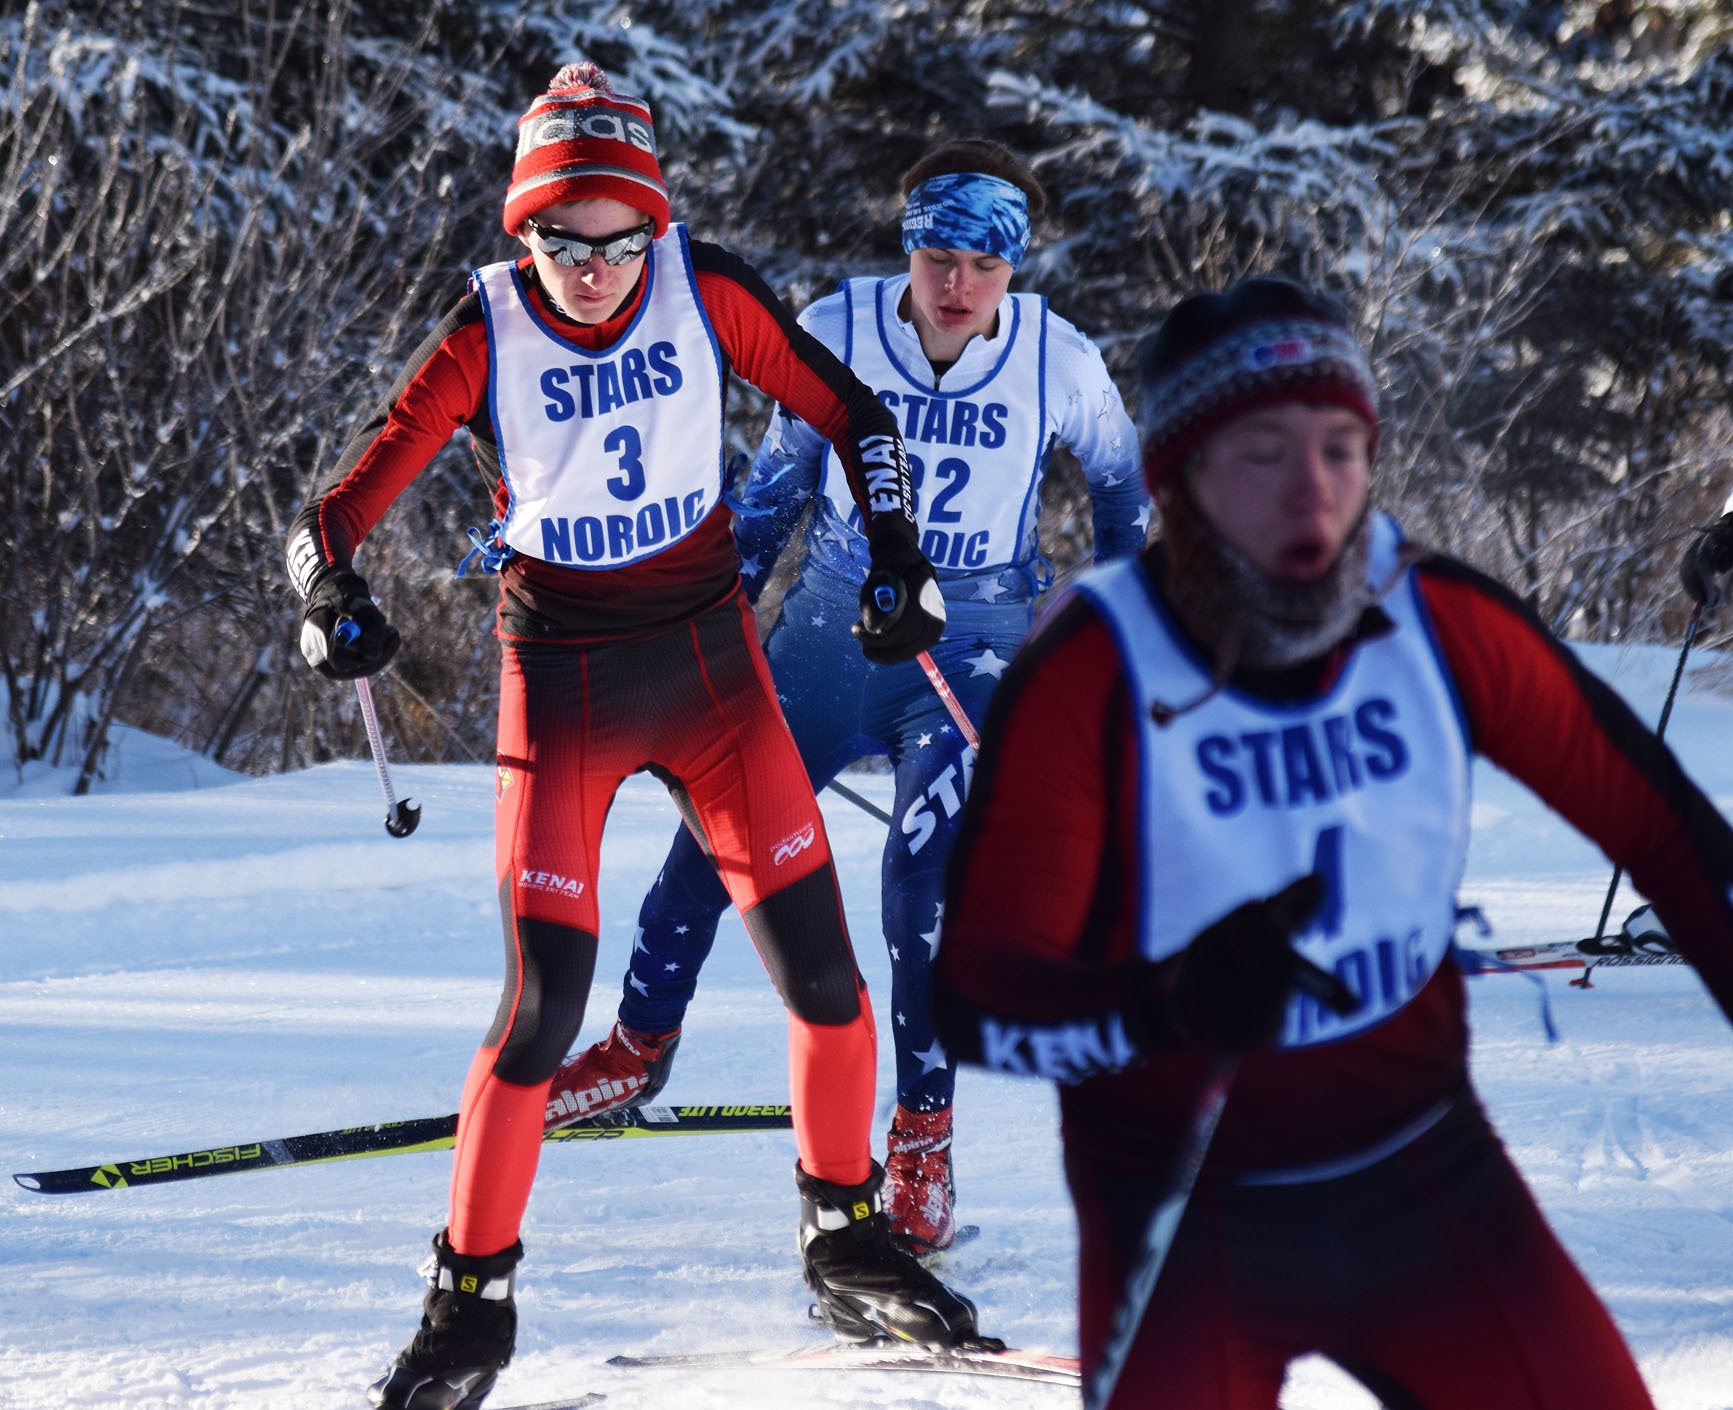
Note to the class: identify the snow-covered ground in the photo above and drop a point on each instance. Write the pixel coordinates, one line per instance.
(191, 958)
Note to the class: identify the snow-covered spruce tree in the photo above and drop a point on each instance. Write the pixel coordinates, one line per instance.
(215, 229)
(1526, 205)
(221, 228)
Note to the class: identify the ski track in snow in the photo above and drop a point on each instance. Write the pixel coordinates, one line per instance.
(248, 958)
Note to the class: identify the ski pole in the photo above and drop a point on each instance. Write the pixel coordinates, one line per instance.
(949, 696)
(866, 805)
(401, 817)
(955, 706)
(1158, 1236)
(1660, 729)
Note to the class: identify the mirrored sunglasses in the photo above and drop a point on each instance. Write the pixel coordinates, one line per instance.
(563, 247)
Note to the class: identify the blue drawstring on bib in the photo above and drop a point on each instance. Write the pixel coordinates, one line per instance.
(732, 498)
(490, 548)
(1038, 572)
(1482, 962)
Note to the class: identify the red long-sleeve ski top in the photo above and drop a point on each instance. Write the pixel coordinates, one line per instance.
(1039, 933)
(444, 388)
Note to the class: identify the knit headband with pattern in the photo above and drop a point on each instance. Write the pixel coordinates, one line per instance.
(968, 210)
(581, 140)
(1227, 367)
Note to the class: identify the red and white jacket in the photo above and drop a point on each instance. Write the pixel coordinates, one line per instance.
(444, 388)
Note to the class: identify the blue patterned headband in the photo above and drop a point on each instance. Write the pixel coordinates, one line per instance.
(968, 210)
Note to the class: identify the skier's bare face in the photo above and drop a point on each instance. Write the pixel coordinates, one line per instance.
(593, 291)
(1285, 485)
(954, 295)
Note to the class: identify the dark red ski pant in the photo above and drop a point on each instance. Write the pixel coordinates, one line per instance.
(693, 705)
(1430, 1276)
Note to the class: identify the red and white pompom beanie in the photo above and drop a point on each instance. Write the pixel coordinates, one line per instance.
(581, 140)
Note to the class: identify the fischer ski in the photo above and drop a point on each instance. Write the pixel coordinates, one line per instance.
(1009, 1364)
(577, 1402)
(1612, 952)
(428, 1133)
(1641, 940)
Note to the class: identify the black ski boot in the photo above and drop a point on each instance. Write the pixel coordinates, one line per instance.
(867, 1284)
(468, 1331)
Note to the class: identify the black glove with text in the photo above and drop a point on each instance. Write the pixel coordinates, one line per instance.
(902, 612)
(1229, 988)
(343, 634)
(1708, 563)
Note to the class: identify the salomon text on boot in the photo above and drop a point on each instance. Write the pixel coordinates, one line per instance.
(868, 1285)
(468, 1329)
(624, 1069)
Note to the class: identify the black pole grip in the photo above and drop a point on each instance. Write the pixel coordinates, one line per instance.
(1325, 987)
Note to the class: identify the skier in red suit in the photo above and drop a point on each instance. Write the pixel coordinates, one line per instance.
(1249, 747)
(591, 373)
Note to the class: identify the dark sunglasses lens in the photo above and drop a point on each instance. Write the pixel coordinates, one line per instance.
(570, 250)
(564, 249)
(625, 247)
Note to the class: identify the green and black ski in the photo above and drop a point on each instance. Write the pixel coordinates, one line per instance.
(428, 1133)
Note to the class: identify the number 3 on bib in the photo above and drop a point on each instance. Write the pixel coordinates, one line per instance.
(624, 442)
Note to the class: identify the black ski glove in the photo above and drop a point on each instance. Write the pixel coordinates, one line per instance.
(1707, 564)
(1228, 990)
(343, 635)
(902, 612)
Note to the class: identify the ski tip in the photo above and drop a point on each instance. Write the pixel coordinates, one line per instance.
(965, 1233)
(30, 1182)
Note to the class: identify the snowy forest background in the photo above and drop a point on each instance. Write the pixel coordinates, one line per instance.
(223, 223)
